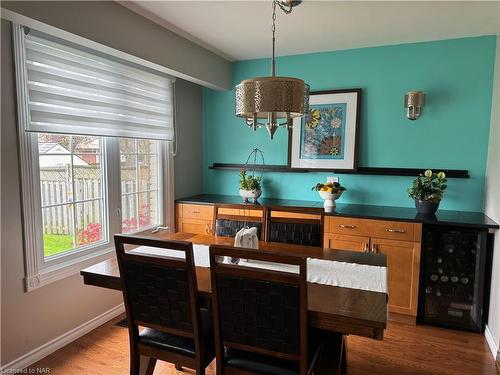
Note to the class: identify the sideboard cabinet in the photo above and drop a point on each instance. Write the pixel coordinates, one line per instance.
(393, 231)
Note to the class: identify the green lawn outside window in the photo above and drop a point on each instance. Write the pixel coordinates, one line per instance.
(56, 243)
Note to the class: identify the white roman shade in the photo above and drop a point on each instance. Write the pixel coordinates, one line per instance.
(71, 89)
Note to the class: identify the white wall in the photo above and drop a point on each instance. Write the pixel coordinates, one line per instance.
(112, 24)
(189, 160)
(492, 201)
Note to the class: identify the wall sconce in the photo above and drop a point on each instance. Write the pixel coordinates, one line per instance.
(414, 101)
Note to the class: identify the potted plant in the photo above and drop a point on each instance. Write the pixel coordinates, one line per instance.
(249, 187)
(330, 192)
(427, 190)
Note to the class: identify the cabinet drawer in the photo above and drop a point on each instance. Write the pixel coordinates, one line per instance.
(253, 213)
(295, 215)
(348, 225)
(394, 230)
(231, 211)
(197, 211)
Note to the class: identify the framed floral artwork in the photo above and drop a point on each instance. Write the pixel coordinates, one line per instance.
(326, 138)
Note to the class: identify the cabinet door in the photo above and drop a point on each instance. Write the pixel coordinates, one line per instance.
(345, 242)
(403, 269)
(194, 226)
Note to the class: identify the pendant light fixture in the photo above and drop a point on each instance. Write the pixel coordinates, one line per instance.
(277, 100)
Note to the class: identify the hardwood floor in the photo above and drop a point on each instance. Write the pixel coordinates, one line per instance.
(404, 350)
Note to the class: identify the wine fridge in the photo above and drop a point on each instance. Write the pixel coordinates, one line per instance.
(453, 277)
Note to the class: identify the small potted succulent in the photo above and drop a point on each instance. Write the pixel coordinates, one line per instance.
(250, 187)
(330, 192)
(427, 191)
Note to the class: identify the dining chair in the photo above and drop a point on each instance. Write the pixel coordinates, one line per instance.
(260, 315)
(160, 294)
(289, 225)
(230, 218)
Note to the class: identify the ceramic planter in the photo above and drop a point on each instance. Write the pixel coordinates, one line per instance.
(425, 207)
(250, 194)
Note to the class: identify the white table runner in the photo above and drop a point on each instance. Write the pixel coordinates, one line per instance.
(200, 253)
(319, 271)
(347, 275)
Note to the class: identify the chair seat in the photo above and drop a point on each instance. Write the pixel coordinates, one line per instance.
(263, 364)
(259, 363)
(182, 345)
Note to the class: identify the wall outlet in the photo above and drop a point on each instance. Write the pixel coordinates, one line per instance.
(332, 179)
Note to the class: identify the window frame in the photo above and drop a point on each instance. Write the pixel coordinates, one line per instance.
(41, 270)
(38, 270)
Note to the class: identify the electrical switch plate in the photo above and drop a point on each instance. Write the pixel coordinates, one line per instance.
(332, 179)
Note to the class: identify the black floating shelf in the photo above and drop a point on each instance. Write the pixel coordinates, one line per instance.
(450, 173)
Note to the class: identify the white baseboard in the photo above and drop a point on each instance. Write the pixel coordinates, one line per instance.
(491, 343)
(63, 340)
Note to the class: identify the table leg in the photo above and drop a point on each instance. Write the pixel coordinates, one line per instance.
(147, 365)
(333, 358)
(343, 363)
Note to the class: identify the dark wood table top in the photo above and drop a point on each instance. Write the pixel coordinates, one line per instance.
(338, 309)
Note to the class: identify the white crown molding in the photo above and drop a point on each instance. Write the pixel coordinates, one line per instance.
(61, 341)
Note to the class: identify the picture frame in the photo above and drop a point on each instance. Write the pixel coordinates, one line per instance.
(326, 139)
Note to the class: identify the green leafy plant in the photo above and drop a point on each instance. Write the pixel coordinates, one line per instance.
(332, 187)
(428, 187)
(249, 182)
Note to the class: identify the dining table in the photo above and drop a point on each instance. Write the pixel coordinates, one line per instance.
(335, 310)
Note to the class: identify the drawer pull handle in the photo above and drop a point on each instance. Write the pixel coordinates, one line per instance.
(196, 212)
(347, 226)
(395, 230)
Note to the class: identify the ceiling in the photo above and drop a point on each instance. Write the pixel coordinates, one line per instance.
(241, 30)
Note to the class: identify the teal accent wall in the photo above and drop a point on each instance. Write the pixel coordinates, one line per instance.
(457, 77)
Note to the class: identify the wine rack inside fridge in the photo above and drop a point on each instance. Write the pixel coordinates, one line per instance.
(452, 277)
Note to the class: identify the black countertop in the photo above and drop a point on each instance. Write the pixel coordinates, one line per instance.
(442, 217)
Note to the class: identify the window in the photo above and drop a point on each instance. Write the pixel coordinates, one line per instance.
(139, 183)
(72, 192)
(94, 138)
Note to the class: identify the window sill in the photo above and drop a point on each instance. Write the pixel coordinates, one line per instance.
(66, 269)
